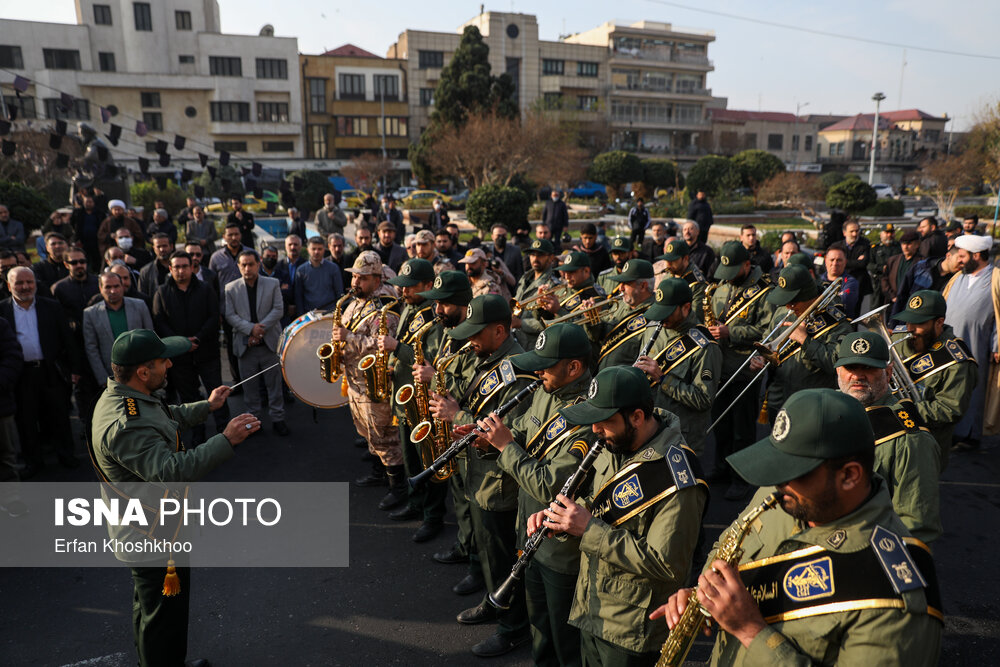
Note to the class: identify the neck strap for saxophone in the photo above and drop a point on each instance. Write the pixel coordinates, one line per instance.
(942, 355)
(890, 422)
(693, 276)
(629, 327)
(642, 484)
(747, 298)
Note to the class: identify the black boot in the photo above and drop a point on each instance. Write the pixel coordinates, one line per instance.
(398, 491)
(375, 478)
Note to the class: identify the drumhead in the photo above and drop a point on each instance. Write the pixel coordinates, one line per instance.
(300, 366)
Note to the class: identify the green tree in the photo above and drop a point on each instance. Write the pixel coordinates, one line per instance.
(851, 196)
(614, 169)
(214, 187)
(661, 173)
(713, 175)
(146, 193)
(831, 178)
(756, 167)
(309, 197)
(492, 204)
(26, 205)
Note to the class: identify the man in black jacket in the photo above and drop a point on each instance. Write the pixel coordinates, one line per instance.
(933, 242)
(155, 273)
(858, 250)
(556, 216)
(638, 221)
(242, 219)
(700, 211)
(52, 269)
(11, 362)
(185, 306)
(74, 293)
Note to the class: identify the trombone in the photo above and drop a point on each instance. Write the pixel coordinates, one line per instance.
(900, 384)
(589, 315)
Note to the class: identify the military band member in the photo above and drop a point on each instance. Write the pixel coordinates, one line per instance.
(939, 363)
(579, 286)
(540, 451)
(905, 451)
(492, 492)
(617, 336)
(677, 255)
(621, 252)
(482, 277)
(359, 326)
(423, 244)
(826, 579)
(808, 357)
(742, 312)
(685, 362)
(638, 529)
(541, 276)
(426, 502)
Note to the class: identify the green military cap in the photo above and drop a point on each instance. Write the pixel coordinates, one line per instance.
(541, 247)
(801, 259)
(670, 293)
(813, 426)
(621, 244)
(573, 261)
(560, 341)
(675, 250)
(138, 346)
(450, 287)
(865, 348)
(483, 310)
(614, 388)
(634, 269)
(732, 257)
(795, 283)
(413, 272)
(922, 306)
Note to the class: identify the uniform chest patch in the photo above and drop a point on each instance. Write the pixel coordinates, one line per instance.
(811, 580)
(556, 428)
(489, 382)
(627, 492)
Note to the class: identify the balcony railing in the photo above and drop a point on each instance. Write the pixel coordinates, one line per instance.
(647, 121)
(661, 56)
(647, 88)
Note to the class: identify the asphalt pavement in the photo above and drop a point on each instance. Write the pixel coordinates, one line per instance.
(393, 605)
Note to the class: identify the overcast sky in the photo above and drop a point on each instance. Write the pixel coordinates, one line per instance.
(756, 66)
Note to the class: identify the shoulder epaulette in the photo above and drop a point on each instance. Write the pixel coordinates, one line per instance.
(606, 271)
(900, 329)
(959, 350)
(131, 407)
(896, 561)
(680, 468)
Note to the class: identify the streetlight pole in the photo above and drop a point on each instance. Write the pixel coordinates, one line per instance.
(381, 95)
(878, 97)
(795, 160)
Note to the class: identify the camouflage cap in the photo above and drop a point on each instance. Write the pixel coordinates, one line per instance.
(473, 255)
(573, 260)
(424, 236)
(621, 244)
(413, 272)
(675, 250)
(368, 263)
(541, 247)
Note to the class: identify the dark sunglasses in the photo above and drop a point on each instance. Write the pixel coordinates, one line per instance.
(74, 262)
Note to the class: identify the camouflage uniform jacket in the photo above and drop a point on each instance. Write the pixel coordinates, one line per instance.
(361, 317)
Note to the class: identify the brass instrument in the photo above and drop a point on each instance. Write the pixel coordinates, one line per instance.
(900, 384)
(518, 307)
(707, 316)
(689, 626)
(772, 350)
(588, 315)
(376, 366)
(413, 397)
(331, 355)
(432, 435)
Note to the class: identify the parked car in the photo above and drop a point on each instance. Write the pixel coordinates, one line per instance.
(459, 199)
(423, 199)
(403, 192)
(352, 198)
(585, 189)
(250, 203)
(885, 191)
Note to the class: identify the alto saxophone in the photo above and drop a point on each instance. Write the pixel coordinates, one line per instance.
(414, 398)
(436, 432)
(376, 366)
(707, 316)
(682, 637)
(331, 355)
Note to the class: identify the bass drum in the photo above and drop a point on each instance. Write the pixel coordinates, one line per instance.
(299, 365)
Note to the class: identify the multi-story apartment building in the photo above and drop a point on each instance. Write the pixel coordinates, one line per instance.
(785, 135)
(355, 102)
(167, 64)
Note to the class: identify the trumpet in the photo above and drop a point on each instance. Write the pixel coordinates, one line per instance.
(900, 384)
(331, 355)
(589, 315)
(518, 307)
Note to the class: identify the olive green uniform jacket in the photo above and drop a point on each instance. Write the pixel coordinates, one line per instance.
(908, 462)
(411, 319)
(907, 636)
(688, 390)
(946, 393)
(628, 571)
(532, 323)
(604, 280)
(625, 351)
(748, 327)
(541, 480)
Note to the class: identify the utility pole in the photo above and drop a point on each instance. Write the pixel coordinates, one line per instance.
(795, 159)
(878, 97)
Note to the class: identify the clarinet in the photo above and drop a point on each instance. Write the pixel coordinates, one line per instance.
(652, 339)
(460, 445)
(501, 597)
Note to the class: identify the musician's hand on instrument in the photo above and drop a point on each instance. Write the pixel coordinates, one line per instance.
(569, 517)
(497, 434)
(799, 335)
(462, 430)
(515, 322)
(719, 332)
(423, 373)
(339, 334)
(757, 363)
(241, 427)
(386, 343)
(535, 522)
(649, 367)
(722, 594)
(587, 303)
(443, 407)
(549, 304)
(218, 397)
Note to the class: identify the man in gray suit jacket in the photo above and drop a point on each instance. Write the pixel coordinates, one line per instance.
(105, 321)
(253, 309)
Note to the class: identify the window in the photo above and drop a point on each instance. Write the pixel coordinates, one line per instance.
(552, 100)
(225, 66)
(352, 86)
(553, 66)
(182, 20)
(185, 60)
(25, 106)
(932, 136)
(150, 146)
(352, 126)
(153, 120)
(317, 141)
(230, 146)
(427, 97)
(394, 127)
(809, 142)
(586, 69)
(386, 87)
(272, 68)
(272, 112)
(514, 72)
(80, 110)
(143, 16)
(10, 56)
(750, 140)
(150, 100)
(586, 102)
(230, 112)
(317, 95)
(102, 14)
(775, 142)
(106, 61)
(795, 142)
(61, 58)
(428, 59)
(278, 146)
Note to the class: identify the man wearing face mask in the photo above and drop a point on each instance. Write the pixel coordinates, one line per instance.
(114, 222)
(507, 253)
(136, 257)
(438, 217)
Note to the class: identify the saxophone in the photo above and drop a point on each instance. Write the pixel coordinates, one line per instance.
(682, 637)
(376, 366)
(436, 430)
(331, 355)
(707, 316)
(414, 398)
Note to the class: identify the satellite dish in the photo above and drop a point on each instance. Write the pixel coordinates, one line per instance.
(267, 30)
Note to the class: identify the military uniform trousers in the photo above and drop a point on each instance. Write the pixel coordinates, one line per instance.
(738, 429)
(160, 623)
(254, 360)
(597, 652)
(374, 422)
(429, 498)
(496, 538)
(549, 596)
